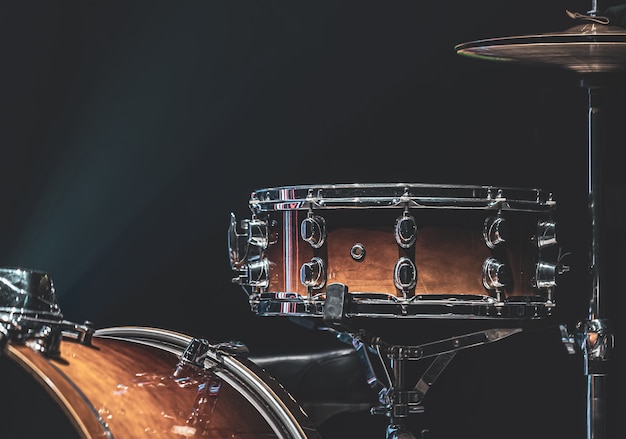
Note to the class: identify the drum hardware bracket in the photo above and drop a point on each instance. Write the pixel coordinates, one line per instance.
(368, 369)
(232, 348)
(81, 333)
(433, 371)
(398, 401)
(195, 352)
(451, 344)
(594, 340)
(568, 340)
(198, 349)
(47, 341)
(592, 17)
(43, 335)
(335, 303)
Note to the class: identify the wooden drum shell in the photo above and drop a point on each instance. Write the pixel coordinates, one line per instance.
(449, 252)
(119, 388)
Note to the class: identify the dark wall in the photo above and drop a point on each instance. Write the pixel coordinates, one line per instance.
(131, 130)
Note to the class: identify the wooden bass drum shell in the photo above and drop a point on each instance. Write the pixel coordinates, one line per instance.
(130, 383)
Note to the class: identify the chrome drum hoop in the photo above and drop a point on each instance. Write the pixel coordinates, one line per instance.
(382, 306)
(413, 195)
(270, 399)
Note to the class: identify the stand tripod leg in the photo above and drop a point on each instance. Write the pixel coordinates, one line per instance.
(398, 400)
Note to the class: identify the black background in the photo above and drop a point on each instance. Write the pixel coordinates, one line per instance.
(130, 131)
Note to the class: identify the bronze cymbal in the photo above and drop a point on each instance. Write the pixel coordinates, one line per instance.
(588, 48)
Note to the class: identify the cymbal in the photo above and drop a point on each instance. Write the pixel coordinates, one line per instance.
(588, 48)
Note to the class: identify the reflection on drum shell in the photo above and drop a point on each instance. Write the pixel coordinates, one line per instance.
(118, 388)
(448, 253)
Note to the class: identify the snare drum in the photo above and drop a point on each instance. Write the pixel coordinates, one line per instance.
(398, 250)
(132, 382)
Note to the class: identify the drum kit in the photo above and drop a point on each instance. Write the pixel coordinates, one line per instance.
(348, 259)
(348, 256)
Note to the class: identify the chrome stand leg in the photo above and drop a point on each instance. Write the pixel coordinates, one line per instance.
(596, 344)
(399, 400)
(596, 341)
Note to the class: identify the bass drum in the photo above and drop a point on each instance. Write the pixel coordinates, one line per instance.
(124, 382)
(127, 382)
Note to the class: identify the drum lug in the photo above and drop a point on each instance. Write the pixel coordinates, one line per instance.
(257, 274)
(237, 245)
(545, 274)
(258, 233)
(246, 252)
(405, 230)
(495, 231)
(546, 234)
(255, 235)
(405, 275)
(495, 276)
(313, 273)
(313, 230)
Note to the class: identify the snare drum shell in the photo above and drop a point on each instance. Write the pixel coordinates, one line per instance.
(122, 388)
(448, 253)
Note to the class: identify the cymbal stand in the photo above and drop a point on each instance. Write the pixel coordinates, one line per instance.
(595, 338)
(398, 399)
(597, 50)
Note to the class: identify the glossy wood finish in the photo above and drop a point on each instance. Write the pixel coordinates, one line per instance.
(449, 252)
(123, 389)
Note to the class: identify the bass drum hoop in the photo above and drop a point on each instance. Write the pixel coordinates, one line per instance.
(242, 374)
(283, 415)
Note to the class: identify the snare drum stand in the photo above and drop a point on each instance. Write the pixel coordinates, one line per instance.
(398, 399)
